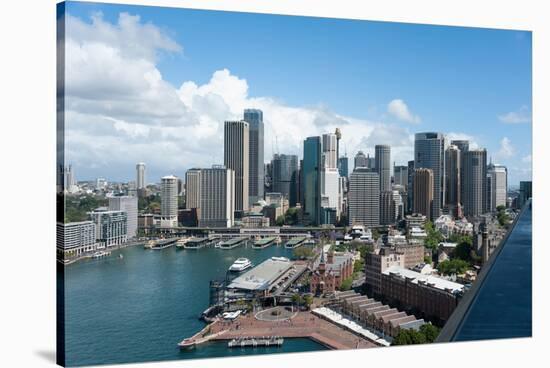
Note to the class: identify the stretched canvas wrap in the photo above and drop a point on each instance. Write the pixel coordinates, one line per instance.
(234, 184)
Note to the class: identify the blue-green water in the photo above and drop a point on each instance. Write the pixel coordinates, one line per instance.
(139, 307)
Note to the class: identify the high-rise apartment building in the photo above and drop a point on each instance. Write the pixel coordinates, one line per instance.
(140, 175)
(329, 173)
(387, 208)
(255, 119)
(429, 153)
(128, 204)
(236, 157)
(525, 192)
(382, 165)
(498, 191)
(401, 176)
(169, 201)
(217, 197)
(193, 188)
(423, 192)
(475, 182)
(110, 227)
(364, 198)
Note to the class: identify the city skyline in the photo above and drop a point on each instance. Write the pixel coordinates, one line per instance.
(182, 109)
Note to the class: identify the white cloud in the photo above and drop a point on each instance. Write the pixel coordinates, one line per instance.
(521, 116)
(506, 150)
(120, 110)
(399, 109)
(527, 159)
(473, 142)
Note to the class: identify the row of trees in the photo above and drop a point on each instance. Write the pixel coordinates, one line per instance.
(426, 334)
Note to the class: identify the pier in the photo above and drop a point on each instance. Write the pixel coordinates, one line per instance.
(234, 242)
(254, 342)
(196, 243)
(264, 242)
(296, 242)
(301, 324)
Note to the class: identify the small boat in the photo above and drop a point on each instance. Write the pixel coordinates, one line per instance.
(240, 265)
(100, 254)
(150, 244)
(120, 256)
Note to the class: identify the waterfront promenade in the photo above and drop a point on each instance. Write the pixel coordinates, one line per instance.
(302, 324)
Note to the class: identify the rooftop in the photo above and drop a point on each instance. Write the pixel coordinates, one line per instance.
(415, 277)
(262, 276)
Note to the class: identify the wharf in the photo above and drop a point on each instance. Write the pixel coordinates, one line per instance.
(302, 324)
(233, 242)
(264, 242)
(296, 242)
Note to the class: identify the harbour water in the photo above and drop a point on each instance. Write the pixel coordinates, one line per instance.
(138, 307)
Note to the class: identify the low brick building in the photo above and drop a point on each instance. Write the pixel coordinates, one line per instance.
(429, 296)
(329, 274)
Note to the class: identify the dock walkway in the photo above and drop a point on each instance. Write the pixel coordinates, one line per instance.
(304, 324)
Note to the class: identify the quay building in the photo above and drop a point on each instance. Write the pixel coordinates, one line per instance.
(110, 227)
(75, 239)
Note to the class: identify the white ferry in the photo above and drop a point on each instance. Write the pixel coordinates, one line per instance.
(240, 265)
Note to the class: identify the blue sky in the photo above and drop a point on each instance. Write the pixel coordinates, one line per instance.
(468, 81)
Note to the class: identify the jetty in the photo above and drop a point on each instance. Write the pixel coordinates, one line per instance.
(302, 324)
(264, 242)
(253, 342)
(296, 242)
(233, 242)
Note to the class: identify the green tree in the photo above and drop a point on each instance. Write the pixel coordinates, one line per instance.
(302, 252)
(463, 251)
(409, 337)
(358, 265)
(453, 266)
(307, 300)
(433, 236)
(280, 221)
(364, 249)
(346, 284)
(430, 332)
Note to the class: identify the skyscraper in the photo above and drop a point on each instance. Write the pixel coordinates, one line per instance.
(410, 186)
(192, 188)
(256, 173)
(311, 180)
(429, 153)
(475, 182)
(236, 156)
(343, 166)
(382, 165)
(364, 198)
(169, 201)
(360, 160)
(140, 175)
(400, 176)
(128, 204)
(452, 179)
(285, 176)
(463, 146)
(423, 192)
(498, 192)
(387, 208)
(329, 173)
(217, 197)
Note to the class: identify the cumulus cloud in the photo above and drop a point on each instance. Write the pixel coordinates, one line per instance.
(527, 159)
(119, 110)
(456, 136)
(520, 116)
(506, 150)
(399, 109)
